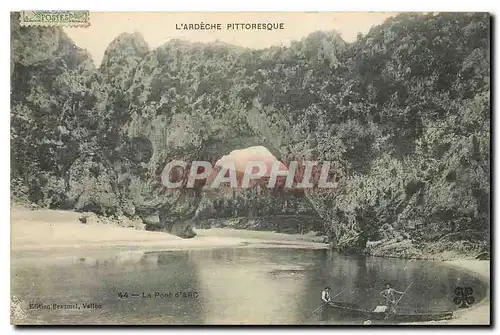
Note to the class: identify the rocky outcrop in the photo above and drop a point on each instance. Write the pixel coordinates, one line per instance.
(411, 146)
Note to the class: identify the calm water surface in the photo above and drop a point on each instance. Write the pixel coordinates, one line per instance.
(220, 286)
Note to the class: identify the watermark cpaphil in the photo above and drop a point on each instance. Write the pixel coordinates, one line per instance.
(299, 175)
(250, 167)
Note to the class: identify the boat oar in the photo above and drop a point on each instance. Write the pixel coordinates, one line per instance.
(401, 297)
(323, 304)
(336, 296)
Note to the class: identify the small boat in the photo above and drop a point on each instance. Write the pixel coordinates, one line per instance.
(352, 311)
(344, 304)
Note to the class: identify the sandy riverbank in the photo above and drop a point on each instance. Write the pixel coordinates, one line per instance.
(39, 230)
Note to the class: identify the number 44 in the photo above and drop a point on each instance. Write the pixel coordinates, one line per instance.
(123, 295)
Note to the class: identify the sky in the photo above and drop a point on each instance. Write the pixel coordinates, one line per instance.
(159, 27)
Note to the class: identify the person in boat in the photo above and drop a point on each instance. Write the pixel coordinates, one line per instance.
(326, 297)
(390, 296)
(326, 294)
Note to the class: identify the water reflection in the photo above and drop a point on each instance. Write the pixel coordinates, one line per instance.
(122, 284)
(222, 286)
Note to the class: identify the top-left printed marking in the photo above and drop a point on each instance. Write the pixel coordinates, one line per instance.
(55, 18)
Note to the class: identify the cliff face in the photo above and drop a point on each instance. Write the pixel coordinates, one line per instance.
(51, 95)
(403, 113)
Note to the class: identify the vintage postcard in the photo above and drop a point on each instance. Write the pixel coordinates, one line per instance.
(267, 168)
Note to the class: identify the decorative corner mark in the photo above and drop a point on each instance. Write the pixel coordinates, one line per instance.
(55, 18)
(16, 311)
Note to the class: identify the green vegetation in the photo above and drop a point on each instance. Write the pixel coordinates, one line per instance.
(404, 112)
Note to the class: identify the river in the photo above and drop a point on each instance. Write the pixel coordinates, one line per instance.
(219, 286)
